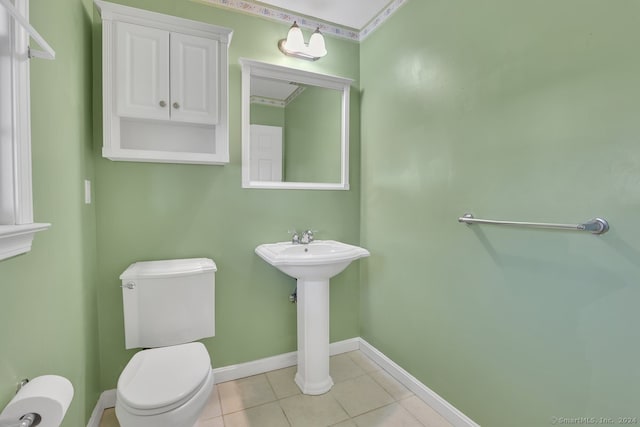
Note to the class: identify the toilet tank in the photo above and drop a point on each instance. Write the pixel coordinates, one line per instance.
(168, 302)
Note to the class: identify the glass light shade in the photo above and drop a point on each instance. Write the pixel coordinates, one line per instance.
(295, 40)
(316, 44)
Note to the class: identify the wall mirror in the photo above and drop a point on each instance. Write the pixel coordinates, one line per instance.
(295, 128)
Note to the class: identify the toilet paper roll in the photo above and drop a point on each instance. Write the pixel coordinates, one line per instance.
(48, 396)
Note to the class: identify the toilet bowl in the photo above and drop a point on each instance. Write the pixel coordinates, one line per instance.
(164, 387)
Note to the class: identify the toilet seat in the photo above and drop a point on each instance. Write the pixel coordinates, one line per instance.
(161, 379)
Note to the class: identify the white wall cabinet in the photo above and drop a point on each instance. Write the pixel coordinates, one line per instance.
(165, 87)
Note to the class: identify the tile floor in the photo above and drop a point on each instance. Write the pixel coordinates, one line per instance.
(364, 395)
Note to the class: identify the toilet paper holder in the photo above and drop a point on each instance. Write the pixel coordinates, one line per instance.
(27, 420)
(42, 402)
(21, 384)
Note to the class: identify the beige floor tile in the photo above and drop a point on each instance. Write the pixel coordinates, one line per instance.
(245, 393)
(364, 362)
(391, 385)
(392, 415)
(109, 418)
(213, 408)
(424, 413)
(283, 382)
(342, 367)
(360, 395)
(313, 411)
(211, 422)
(269, 415)
(347, 423)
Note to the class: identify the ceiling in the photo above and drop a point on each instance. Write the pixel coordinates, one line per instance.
(349, 13)
(272, 89)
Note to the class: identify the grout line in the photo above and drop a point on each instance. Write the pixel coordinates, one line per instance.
(341, 407)
(392, 403)
(285, 413)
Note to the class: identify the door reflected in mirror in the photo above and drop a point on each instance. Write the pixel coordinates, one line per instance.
(295, 128)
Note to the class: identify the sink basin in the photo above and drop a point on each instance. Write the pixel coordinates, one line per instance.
(313, 265)
(319, 260)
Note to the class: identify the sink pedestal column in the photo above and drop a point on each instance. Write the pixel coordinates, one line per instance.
(313, 337)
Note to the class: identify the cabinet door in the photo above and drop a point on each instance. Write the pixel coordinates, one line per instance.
(142, 72)
(194, 79)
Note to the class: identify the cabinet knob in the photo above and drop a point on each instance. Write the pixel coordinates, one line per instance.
(162, 104)
(176, 105)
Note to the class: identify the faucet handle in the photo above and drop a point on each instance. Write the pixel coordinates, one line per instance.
(295, 236)
(307, 236)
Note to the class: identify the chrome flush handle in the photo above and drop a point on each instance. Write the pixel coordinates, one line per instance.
(130, 285)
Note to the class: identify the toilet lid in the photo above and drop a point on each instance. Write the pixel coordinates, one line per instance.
(161, 377)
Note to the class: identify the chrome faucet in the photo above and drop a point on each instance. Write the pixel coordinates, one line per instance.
(304, 238)
(307, 237)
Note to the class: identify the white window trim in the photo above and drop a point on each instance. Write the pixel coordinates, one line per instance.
(17, 239)
(17, 230)
(23, 20)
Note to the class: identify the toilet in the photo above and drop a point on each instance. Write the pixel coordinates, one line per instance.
(167, 306)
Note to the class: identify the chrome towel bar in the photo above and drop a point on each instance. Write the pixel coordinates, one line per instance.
(594, 226)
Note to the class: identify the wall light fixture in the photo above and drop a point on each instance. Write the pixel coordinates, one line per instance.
(295, 46)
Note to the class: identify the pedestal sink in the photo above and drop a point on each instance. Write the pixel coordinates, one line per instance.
(312, 265)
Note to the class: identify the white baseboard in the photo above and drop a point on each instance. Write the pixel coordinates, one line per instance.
(255, 367)
(444, 408)
(260, 366)
(233, 372)
(106, 400)
(345, 346)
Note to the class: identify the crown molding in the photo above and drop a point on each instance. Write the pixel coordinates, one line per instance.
(275, 14)
(380, 18)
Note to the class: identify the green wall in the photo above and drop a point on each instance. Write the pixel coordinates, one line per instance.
(266, 115)
(517, 111)
(156, 211)
(48, 319)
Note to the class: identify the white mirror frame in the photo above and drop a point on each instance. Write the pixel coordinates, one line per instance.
(263, 69)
